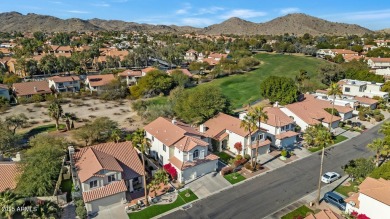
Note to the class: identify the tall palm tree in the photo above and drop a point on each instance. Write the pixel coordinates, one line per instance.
(249, 125)
(334, 90)
(9, 201)
(68, 117)
(160, 176)
(379, 146)
(143, 147)
(260, 115)
(55, 112)
(46, 210)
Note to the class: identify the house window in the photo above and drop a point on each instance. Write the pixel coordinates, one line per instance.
(152, 138)
(195, 155)
(347, 89)
(161, 159)
(111, 178)
(261, 136)
(60, 84)
(93, 184)
(164, 147)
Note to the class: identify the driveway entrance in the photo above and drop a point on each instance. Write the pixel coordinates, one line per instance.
(208, 184)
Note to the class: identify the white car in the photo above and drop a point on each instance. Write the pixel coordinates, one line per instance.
(329, 177)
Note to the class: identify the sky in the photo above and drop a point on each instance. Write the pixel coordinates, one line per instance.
(372, 14)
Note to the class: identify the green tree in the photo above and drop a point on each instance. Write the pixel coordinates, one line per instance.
(249, 125)
(385, 129)
(338, 59)
(160, 177)
(333, 91)
(381, 172)
(378, 146)
(260, 115)
(359, 168)
(198, 66)
(48, 64)
(179, 78)
(8, 140)
(15, 121)
(41, 165)
(317, 136)
(279, 89)
(116, 135)
(331, 73)
(99, 130)
(68, 117)
(81, 212)
(154, 83)
(300, 78)
(47, 209)
(55, 112)
(9, 201)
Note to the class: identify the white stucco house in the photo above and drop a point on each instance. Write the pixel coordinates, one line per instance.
(373, 199)
(182, 146)
(362, 88)
(225, 131)
(4, 91)
(64, 84)
(280, 127)
(96, 83)
(131, 76)
(378, 62)
(105, 173)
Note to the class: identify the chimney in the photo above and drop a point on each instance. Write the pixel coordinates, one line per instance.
(174, 121)
(276, 104)
(71, 150)
(202, 128)
(18, 157)
(1, 157)
(35, 89)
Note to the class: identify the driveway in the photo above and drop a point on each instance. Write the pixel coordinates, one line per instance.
(208, 184)
(116, 212)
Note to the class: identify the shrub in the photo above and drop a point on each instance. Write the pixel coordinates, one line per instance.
(38, 105)
(239, 157)
(259, 166)
(379, 117)
(226, 170)
(248, 166)
(349, 122)
(284, 153)
(247, 156)
(363, 127)
(237, 163)
(341, 124)
(36, 98)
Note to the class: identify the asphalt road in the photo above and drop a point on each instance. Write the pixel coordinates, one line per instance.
(266, 194)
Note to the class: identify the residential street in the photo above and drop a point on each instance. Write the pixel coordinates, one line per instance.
(264, 195)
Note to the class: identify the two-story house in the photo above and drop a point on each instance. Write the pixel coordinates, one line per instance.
(98, 82)
(182, 146)
(4, 91)
(131, 76)
(378, 62)
(28, 89)
(64, 84)
(363, 88)
(280, 127)
(225, 131)
(105, 173)
(373, 199)
(347, 100)
(191, 55)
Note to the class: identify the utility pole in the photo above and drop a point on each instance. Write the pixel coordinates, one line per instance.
(319, 180)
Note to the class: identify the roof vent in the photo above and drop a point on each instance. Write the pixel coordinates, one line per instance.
(352, 203)
(174, 121)
(35, 89)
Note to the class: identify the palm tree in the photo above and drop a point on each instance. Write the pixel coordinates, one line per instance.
(68, 117)
(334, 90)
(160, 176)
(385, 129)
(379, 146)
(260, 115)
(249, 125)
(45, 210)
(55, 112)
(144, 146)
(116, 135)
(9, 201)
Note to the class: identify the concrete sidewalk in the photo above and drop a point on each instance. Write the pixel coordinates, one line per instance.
(306, 199)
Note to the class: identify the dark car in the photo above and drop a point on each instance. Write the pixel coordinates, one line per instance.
(335, 199)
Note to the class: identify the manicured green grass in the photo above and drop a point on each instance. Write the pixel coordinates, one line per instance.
(224, 156)
(43, 128)
(66, 186)
(244, 88)
(301, 211)
(339, 139)
(344, 190)
(232, 180)
(160, 100)
(155, 210)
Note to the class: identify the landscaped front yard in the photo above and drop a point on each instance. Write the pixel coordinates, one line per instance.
(155, 210)
(224, 157)
(301, 211)
(336, 140)
(234, 178)
(345, 189)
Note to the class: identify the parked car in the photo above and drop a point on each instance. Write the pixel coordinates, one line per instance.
(335, 199)
(329, 177)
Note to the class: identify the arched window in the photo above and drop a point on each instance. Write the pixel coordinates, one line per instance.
(195, 155)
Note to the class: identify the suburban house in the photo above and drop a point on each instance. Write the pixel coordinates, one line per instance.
(280, 127)
(98, 82)
(28, 89)
(369, 47)
(131, 76)
(8, 172)
(191, 55)
(225, 131)
(312, 111)
(324, 214)
(4, 91)
(106, 174)
(347, 100)
(148, 69)
(362, 88)
(64, 84)
(321, 53)
(382, 43)
(373, 198)
(185, 71)
(182, 146)
(378, 62)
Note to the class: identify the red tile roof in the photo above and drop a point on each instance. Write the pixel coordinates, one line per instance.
(287, 134)
(185, 71)
(324, 214)
(276, 117)
(149, 69)
(100, 80)
(59, 79)
(182, 166)
(187, 143)
(3, 86)
(261, 144)
(366, 100)
(105, 191)
(130, 73)
(31, 88)
(380, 59)
(8, 175)
(121, 157)
(378, 189)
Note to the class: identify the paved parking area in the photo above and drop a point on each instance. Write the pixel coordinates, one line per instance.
(208, 184)
(350, 134)
(116, 212)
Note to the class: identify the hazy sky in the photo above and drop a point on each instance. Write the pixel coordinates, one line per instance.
(373, 14)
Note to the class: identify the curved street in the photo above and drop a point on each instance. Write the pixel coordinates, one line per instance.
(265, 194)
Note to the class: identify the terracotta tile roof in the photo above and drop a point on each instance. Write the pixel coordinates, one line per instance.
(210, 61)
(324, 214)
(350, 57)
(366, 100)
(120, 157)
(120, 54)
(182, 166)
(380, 59)
(64, 48)
(5, 50)
(8, 175)
(59, 79)
(105, 191)
(222, 135)
(276, 117)
(168, 133)
(353, 198)
(130, 73)
(217, 55)
(5, 59)
(261, 144)
(378, 189)
(287, 134)
(322, 91)
(343, 51)
(222, 122)
(185, 71)
(67, 55)
(192, 51)
(149, 69)
(187, 143)
(100, 80)
(3, 86)
(31, 88)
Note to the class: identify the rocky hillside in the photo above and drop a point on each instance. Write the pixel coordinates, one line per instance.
(292, 23)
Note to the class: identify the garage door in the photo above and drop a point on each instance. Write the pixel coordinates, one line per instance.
(108, 202)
